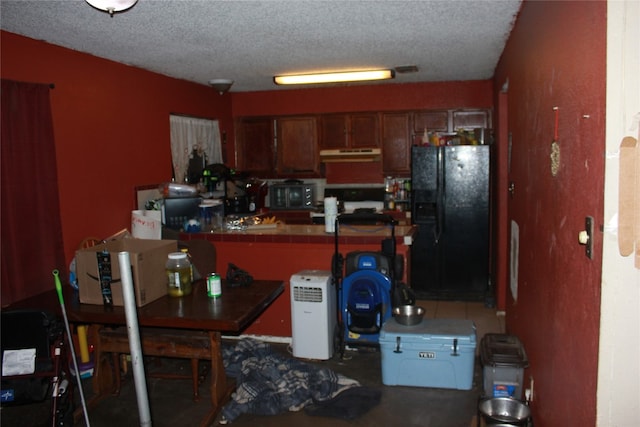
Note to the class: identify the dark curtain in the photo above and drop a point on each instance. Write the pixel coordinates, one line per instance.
(31, 229)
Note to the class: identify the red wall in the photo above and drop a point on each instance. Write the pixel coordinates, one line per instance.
(379, 97)
(111, 124)
(556, 57)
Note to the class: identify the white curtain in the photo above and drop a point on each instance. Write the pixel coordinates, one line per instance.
(189, 134)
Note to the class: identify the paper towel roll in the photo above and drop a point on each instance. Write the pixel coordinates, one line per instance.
(330, 213)
(330, 223)
(330, 205)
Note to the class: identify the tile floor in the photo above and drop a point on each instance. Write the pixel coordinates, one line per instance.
(171, 403)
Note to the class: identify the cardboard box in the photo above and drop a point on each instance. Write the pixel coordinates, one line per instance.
(434, 353)
(148, 259)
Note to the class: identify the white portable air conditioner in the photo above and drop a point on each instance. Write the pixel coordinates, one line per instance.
(313, 314)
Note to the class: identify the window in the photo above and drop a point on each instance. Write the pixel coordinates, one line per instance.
(195, 143)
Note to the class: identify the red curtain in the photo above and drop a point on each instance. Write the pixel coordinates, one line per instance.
(31, 229)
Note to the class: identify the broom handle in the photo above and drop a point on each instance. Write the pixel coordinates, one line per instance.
(56, 278)
(135, 346)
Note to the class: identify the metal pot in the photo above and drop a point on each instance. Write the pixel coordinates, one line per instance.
(504, 410)
(408, 315)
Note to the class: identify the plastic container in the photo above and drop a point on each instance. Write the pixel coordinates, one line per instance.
(178, 269)
(503, 359)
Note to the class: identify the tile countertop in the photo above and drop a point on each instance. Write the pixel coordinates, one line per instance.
(303, 233)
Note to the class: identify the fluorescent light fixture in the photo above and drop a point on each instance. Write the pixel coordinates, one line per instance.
(112, 6)
(347, 76)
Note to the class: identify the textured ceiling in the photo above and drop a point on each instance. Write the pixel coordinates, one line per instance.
(251, 41)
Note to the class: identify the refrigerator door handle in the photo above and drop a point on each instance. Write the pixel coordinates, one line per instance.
(437, 229)
(440, 194)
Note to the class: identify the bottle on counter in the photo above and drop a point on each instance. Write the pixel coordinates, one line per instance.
(388, 184)
(179, 274)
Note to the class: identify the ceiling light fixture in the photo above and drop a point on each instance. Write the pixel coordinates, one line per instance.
(347, 76)
(112, 6)
(221, 85)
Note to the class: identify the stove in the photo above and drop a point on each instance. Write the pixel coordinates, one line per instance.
(353, 200)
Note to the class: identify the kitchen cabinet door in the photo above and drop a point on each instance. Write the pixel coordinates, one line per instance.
(334, 131)
(432, 121)
(359, 130)
(470, 119)
(297, 141)
(255, 150)
(396, 144)
(364, 130)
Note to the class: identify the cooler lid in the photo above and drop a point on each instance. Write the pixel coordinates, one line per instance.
(502, 350)
(431, 330)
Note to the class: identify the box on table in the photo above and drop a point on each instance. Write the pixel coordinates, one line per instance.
(148, 259)
(434, 353)
(503, 359)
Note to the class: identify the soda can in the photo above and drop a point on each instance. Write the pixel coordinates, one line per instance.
(214, 286)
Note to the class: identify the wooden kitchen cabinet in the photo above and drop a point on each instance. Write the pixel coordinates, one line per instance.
(255, 149)
(297, 146)
(470, 119)
(432, 121)
(333, 132)
(396, 144)
(358, 130)
(289, 145)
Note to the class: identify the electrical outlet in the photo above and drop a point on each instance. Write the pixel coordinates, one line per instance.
(528, 393)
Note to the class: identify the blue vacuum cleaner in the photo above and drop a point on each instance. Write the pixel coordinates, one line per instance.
(365, 300)
(365, 294)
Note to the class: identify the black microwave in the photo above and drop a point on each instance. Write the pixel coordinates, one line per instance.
(175, 211)
(292, 196)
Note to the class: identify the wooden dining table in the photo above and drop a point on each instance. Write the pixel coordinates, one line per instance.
(230, 314)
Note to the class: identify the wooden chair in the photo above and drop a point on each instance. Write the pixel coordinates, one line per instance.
(89, 242)
(157, 342)
(173, 343)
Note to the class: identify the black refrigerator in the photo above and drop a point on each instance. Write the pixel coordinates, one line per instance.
(451, 206)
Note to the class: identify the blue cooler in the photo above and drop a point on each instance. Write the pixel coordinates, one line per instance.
(434, 353)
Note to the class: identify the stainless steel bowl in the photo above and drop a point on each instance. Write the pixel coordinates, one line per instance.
(505, 410)
(408, 315)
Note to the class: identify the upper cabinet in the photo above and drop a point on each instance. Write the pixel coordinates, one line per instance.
(357, 130)
(428, 121)
(297, 145)
(470, 119)
(396, 143)
(255, 150)
(289, 146)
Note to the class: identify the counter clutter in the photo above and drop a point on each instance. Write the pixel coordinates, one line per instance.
(310, 232)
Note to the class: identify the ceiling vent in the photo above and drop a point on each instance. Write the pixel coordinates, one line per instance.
(405, 69)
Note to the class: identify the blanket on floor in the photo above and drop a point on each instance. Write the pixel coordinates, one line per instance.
(270, 383)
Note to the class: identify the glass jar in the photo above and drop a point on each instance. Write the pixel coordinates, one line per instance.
(178, 269)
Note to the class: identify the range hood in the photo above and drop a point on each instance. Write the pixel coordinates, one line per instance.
(350, 155)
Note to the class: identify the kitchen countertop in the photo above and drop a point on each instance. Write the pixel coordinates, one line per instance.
(303, 233)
